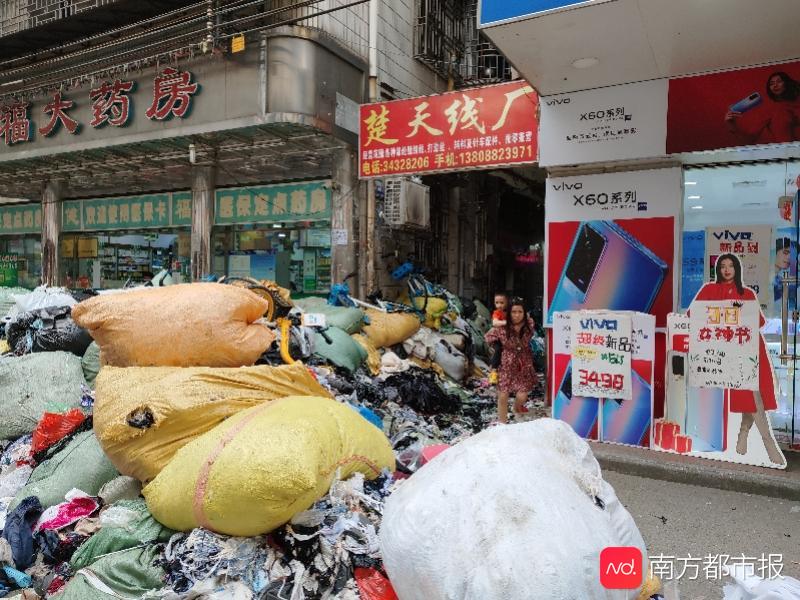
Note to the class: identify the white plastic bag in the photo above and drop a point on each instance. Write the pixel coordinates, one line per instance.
(453, 362)
(509, 514)
(749, 586)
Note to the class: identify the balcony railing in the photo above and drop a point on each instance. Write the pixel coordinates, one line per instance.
(19, 15)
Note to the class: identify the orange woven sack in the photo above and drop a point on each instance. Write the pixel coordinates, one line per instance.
(187, 325)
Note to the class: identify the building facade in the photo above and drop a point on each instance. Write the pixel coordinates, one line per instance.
(677, 123)
(219, 137)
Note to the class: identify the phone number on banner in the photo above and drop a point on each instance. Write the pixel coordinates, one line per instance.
(601, 381)
(448, 160)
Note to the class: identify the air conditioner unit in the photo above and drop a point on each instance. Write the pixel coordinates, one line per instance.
(407, 204)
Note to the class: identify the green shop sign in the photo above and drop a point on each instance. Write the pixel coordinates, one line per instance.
(9, 270)
(20, 218)
(131, 212)
(279, 203)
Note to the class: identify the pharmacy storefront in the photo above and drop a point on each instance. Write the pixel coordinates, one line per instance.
(20, 245)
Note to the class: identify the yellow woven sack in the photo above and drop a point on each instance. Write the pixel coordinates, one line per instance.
(388, 329)
(262, 466)
(373, 356)
(434, 310)
(187, 325)
(144, 415)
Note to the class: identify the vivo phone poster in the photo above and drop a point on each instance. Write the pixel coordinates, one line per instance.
(716, 422)
(611, 242)
(746, 107)
(619, 420)
(751, 244)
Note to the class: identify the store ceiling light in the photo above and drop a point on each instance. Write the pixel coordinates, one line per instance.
(694, 197)
(586, 63)
(697, 207)
(277, 225)
(689, 183)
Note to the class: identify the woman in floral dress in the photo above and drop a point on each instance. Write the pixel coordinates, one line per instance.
(517, 375)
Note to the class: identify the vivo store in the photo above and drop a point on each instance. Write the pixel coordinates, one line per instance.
(641, 203)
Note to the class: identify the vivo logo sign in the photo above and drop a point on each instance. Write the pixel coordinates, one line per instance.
(607, 324)
(557, 101)
(567, 186)
(621, 568)
(734, 236)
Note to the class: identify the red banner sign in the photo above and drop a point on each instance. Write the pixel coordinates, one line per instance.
(468, 129)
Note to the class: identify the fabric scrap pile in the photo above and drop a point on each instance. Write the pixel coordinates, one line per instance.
(246, 448)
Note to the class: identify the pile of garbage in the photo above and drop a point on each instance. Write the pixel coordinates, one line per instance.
(225, 441)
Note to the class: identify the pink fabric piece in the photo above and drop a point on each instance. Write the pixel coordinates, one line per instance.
(67, 513)
(431, 452)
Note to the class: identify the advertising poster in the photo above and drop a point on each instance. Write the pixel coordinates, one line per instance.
(693, 272)
(723, 344)
(752, 245)
(9, 270)
(470, 129)
(784, 253)
(613, 123)
(736, 108)
(712, 422)
(606, 419)
(611, 242)
(601, 354)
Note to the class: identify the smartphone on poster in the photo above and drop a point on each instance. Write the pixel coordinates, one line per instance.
(608, 268)
(628, 421)
(578, 412)
(747, 103)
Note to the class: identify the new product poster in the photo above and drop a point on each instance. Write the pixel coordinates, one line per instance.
(601, 354)
(693, 271)
(751, 245)
(723, 344)
(612, 123)
(611, 242)
(737, 108)
(715, 423)
(784, 264)
(606, 419)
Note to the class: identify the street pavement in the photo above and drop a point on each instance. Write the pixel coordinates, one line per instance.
(677, 519)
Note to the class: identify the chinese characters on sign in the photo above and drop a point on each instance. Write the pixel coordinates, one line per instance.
(131, 212)
(173, 91)
(21, 218)
(15, 126)
(723, 344)
(111, 104)
(752, 245)
(476, 128)
(9, 270)
(307, 201)
(601, 348)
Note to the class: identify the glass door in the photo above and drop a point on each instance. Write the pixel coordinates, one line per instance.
(751, 211)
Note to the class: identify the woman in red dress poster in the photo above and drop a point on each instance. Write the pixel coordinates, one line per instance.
(780, 122)
(752, 405)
